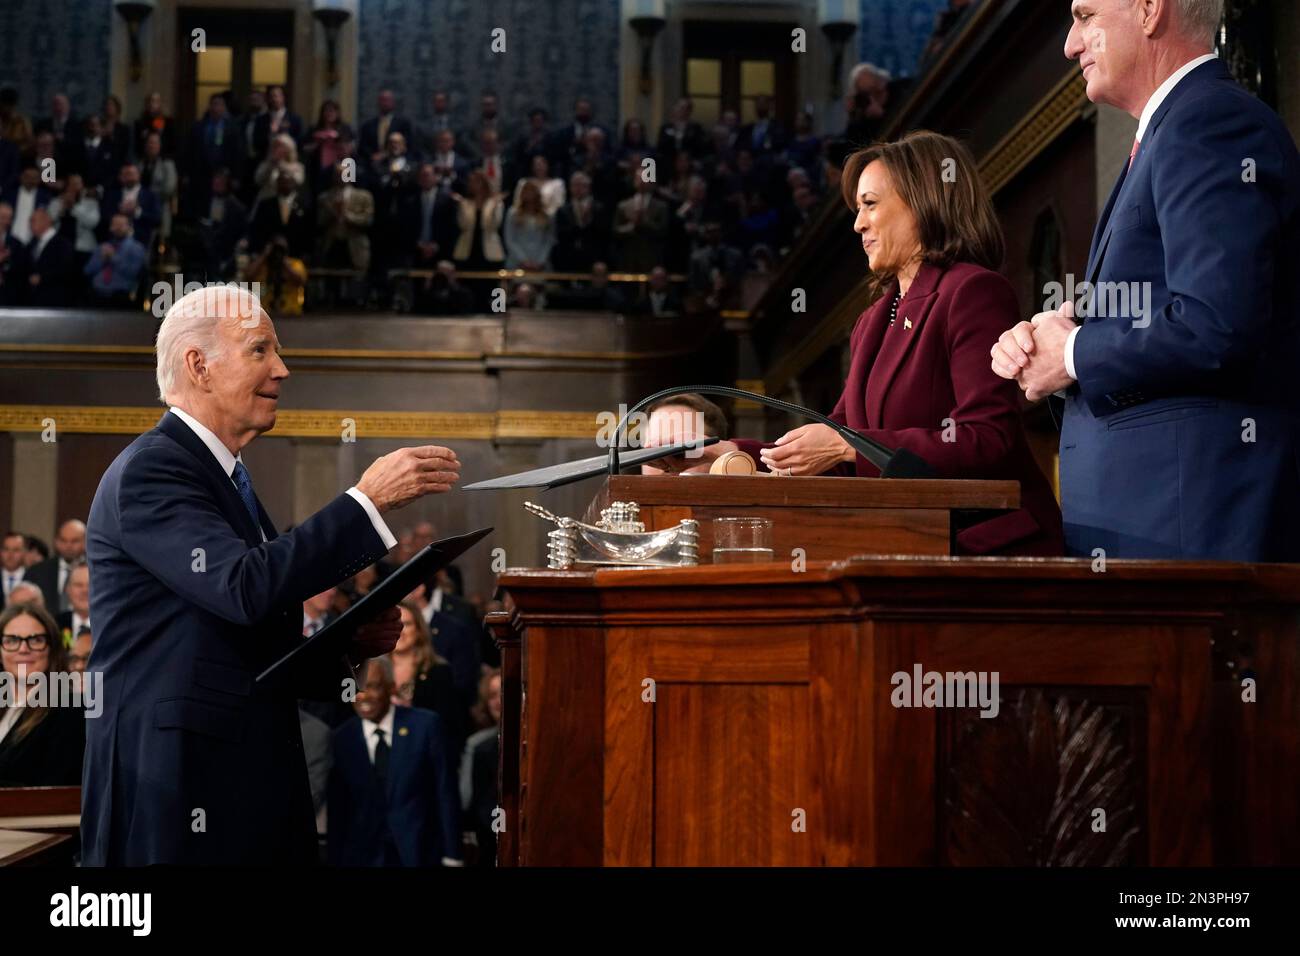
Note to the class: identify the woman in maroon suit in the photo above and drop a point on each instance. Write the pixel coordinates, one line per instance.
(919, 376)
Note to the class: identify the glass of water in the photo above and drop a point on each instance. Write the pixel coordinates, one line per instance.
(742, 540)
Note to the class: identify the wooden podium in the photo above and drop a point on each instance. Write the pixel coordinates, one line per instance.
(1147, 713)
(829, 518)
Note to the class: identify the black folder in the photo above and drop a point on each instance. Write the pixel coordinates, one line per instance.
(331, 641)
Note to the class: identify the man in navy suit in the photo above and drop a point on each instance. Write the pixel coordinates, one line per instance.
(375, 131)
(1181, 433)
(194, 594)
(277, 119)
(131, 199)
(392, 798)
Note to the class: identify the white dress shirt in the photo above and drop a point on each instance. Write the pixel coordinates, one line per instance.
(24, 206)
(1148, 111)
(227, 462)
(368, 728)
(11, 578)
(78, 622)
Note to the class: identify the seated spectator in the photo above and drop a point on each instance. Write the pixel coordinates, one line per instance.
(688, 220)
(281, 276)
(551, 188)
(344, 214)
(25, 592)
(115, 130)
(494, 165)
(681, 133)
(489, 121)
(450, 168)
(215, 143)
(116, 266)
(658, 299)
(322, 151)
(15, 127)
(50, 264)
(440, 122)
(479, 797)
(596, 295)
(158, 175)
(606, 182)
(13, 260)
(640, 228)
(60, 123)
(132, 199)
(154, 120)
(282, 161)
(422, 677)
(285, 213)
(581, 228)
(277, 121)
(41, 744)
(453, 639)
(79, 652)
(634, 142)
(673, 192)
(526, 297)
(533, 141)
(478, 216)
(805, 149)
(393, 796)
(432, 218)
(715, 266)
(76, 213)
(77, 617)
(568, 143)
(373, 138)
(530, 231)
(443, 293)
(25, 198)
(221, 227)
(765, 135)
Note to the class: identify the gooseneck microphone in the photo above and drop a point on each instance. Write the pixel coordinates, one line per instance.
(892, 462)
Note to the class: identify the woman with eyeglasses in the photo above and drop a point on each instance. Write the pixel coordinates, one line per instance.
(40, 745)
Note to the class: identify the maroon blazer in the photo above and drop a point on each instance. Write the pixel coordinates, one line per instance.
(929, 377)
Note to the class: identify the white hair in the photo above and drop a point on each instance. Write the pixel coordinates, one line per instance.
(194, 321)
(861, 68)
(1200, 19)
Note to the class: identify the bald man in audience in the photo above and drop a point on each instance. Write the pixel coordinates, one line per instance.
(51, 575)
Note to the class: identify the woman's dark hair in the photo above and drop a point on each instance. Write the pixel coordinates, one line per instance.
(936, 177)
(320, 117)
(57, 657)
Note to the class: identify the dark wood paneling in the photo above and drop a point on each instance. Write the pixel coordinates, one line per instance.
(82, 462)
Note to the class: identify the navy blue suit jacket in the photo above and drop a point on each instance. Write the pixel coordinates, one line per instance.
(180, 635)
(419, 812)
(1181, 438)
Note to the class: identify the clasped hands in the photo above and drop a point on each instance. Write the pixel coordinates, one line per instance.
(1033, 353)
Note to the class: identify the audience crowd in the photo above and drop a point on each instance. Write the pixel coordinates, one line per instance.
(91, 207)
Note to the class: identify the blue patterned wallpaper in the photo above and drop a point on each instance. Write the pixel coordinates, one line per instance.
(556, 50)
(48, 46)
(894, 32)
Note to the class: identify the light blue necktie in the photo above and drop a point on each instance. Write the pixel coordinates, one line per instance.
(244, 484)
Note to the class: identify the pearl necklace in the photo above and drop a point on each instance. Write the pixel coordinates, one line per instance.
(893, 309)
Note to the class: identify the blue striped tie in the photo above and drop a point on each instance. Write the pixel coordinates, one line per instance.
(245, 486)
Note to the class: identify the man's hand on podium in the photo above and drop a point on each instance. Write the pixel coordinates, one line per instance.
(399, 478)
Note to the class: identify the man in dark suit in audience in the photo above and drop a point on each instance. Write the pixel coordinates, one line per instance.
(96, 159)
(393, 795)
(133, 200)
(659, 298)
(277, 119)
(581, 227)
(51, 575)
(375, 131)
(287, 213)
(640, 227)
(489, 118)
(51, 264)
(215, 143)
(765, 135)
(13, 260)
(223, 221)
(567, 144)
